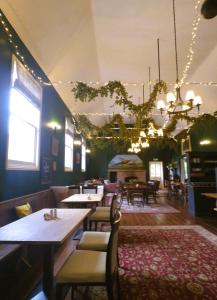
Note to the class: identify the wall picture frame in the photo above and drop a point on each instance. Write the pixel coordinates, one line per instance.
(46, 170)
(54, 146)
(186, 145)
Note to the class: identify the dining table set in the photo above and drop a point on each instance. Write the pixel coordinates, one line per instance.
(138, 191)
(51, 228)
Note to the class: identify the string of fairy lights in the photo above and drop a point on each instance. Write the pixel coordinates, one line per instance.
(191, 52)
(190, 56)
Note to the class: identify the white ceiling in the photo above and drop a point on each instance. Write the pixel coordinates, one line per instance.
(101, 40)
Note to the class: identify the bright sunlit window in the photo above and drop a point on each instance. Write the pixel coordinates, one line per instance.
(83, 156)
(24, 120)
(69, 137)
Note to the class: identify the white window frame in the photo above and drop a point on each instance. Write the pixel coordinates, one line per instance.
(25, 84)
(69, 131)
(83, 155)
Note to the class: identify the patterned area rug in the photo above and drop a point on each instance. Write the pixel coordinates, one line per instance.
(168, 262)
(152, 208)
(165, 263)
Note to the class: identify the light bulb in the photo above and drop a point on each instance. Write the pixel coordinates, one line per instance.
(160, 132)
(189, 95)
(171, 97)
(151, 131)
(142, 134)
(197, 101)
(160, 104)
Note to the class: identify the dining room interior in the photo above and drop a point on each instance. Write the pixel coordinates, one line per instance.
(108, 150)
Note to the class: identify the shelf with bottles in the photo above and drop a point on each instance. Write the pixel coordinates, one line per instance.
(201, 166)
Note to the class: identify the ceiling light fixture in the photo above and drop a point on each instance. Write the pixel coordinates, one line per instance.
(176, 105)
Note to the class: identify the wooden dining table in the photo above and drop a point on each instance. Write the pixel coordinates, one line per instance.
(35, 230)
(212, 196)
(137, 189)
(83, 200)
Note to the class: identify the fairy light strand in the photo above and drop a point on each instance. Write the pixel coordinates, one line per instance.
(191, 52)
(195, 24)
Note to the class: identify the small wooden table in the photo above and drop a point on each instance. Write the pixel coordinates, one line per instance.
(210, 195)
(83, 199)
(213, 196)
(33, 229)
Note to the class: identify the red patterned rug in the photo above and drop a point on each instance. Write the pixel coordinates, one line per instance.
(165, 263)
(152, 208)
(168, 262)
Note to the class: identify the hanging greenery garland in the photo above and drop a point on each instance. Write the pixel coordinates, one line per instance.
(115, 133)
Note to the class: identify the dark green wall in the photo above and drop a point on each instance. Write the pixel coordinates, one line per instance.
(206, 130)
(18, 183)
(98, 165)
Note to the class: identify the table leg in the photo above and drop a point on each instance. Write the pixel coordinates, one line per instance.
(48, 268)
(85, 224)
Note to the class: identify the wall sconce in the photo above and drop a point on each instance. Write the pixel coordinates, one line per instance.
(88, 150)
(54, 125)
(205, 142)
(77, 142)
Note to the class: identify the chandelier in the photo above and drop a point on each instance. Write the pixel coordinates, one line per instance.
(143, 139)
(175, 103)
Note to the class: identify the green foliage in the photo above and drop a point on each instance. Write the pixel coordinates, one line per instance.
(119, 135)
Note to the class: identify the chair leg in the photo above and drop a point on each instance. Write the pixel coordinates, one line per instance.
(72, 292)
(113, 288)
(58, 292)
(90, 225)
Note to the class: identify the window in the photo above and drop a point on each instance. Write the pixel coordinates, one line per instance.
(83, 155)
(69, 136)
(24, 120)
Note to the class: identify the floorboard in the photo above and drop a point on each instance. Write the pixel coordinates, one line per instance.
(182, 218)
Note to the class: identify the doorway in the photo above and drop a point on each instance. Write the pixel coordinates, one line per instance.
(156, 171)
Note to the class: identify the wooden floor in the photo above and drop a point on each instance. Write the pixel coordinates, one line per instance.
(182, 218)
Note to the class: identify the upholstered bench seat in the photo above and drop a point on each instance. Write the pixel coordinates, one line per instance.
(94, 240)
(83, 266)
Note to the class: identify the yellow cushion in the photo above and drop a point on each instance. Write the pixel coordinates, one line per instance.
(100, 215)
(83, 266)
(94, 240)
(23, 210)
(104, 208)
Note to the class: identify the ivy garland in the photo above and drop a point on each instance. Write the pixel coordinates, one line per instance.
(121, 137)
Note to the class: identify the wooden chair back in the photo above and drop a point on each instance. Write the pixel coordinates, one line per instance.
(112, 253)
(74, 189)
(89, 189)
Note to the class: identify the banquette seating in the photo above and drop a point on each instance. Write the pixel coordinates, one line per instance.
(12, 265)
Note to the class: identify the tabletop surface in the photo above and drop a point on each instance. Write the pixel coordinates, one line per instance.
(79, 198)
(210, 195)
(33, 229)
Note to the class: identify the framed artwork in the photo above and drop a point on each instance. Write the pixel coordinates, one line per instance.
(46, 170)
(186, 145)
(54, 166)
(54, 146)
(77, 158)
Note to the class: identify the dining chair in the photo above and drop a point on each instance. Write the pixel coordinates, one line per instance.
(95, 240)
(103, 214)
(74, 189)
(89, 189)
(136, 196)
(92, 268)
